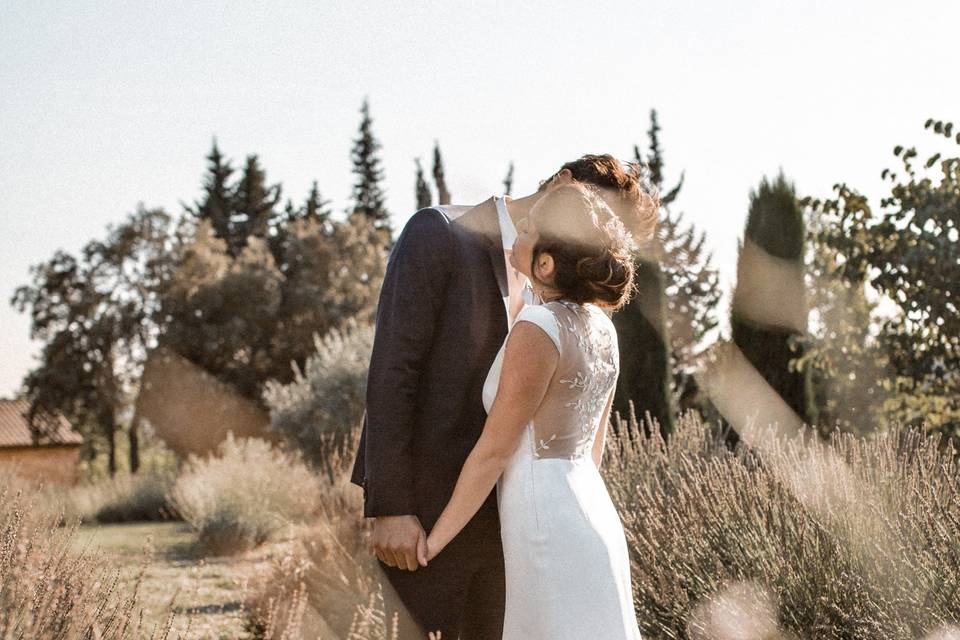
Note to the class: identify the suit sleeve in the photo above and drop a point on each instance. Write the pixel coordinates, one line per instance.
(411, 301)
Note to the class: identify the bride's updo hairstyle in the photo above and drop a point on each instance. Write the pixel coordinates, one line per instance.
(590, 246)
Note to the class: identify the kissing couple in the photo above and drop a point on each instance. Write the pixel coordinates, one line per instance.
(491, 380)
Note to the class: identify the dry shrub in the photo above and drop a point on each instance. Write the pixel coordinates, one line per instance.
(319, 410)
(244, 495)
(49, 591)
(849, 538)
(127, 498)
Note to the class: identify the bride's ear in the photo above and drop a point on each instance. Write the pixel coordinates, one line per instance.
(545, 267)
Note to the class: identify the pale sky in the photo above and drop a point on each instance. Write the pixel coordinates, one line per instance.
(105, 104)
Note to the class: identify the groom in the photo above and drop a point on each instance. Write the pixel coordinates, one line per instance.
(448, 298)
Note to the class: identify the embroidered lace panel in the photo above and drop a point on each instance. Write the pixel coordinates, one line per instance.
(566, 423)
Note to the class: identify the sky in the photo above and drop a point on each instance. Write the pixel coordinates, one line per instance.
(104, 105)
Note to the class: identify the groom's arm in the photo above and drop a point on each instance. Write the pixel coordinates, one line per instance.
(410, 303)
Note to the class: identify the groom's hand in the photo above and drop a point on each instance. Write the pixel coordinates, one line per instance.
(395, 540)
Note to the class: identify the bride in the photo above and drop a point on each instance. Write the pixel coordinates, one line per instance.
(548, 396)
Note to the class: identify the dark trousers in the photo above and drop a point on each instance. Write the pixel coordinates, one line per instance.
(459, 593)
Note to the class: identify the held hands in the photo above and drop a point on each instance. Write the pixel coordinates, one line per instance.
(400, 541)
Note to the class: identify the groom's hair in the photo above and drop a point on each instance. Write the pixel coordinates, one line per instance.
(637, 202)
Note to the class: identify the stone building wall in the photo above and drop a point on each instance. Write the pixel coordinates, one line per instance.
(52, 465)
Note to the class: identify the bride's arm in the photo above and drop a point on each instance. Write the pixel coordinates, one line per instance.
(601, 438)
(529, 361)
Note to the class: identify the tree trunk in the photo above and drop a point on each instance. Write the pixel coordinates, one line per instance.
(133, 436)
(109, 432)
(112, 454)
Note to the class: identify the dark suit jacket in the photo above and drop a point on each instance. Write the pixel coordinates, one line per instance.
(440, 323)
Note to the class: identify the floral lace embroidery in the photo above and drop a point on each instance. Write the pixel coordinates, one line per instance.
(593, 386)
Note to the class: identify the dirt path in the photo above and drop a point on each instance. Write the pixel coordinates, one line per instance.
(207, 593)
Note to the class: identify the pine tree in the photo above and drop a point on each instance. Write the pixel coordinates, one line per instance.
(253, 205)
(675, 311)
(768, 313)
(691, 283)
(368, 195)
(424, 197)
(315, 207)
(217, 202)
(508, 181)
(443, 196)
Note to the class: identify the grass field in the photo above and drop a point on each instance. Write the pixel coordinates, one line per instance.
(206, 593)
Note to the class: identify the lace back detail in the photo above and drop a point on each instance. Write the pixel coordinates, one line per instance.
(567, 420)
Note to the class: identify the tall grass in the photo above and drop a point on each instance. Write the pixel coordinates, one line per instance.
(846, 538)
(835, 539)
(50, 591)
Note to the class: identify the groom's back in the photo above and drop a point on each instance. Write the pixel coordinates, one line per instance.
(440, 322)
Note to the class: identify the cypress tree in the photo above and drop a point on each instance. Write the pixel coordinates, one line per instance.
(217, 202)
(443, 196)
(424, 197)
(368, 195)
(644, 383)
(508, 181)
(768, 313)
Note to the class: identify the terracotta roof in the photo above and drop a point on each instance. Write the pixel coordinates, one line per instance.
(15, 432)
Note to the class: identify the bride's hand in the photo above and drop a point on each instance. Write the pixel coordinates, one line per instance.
(427, 550)
(423, 550)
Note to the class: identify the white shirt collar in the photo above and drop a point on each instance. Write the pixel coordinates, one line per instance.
(508, 230)
(508, 234)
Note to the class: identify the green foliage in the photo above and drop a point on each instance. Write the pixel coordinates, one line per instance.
(315, 207)
(424, 197)
(443, 196)
(849, 366)
(253, 211)
(96, 317)
(223, 310)
(908, 252)
(368, 195)
(217, 203)
(769, 314)
(643, 385)
(654, 162)
(244, 321)
(775, 219)
(322, 407)
(691, 283)
(508, 180)
(675, 308)
(244, 495)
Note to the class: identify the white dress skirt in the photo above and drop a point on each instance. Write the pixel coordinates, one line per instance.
(566, 561)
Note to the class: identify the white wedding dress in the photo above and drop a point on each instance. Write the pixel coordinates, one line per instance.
(565, 555)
